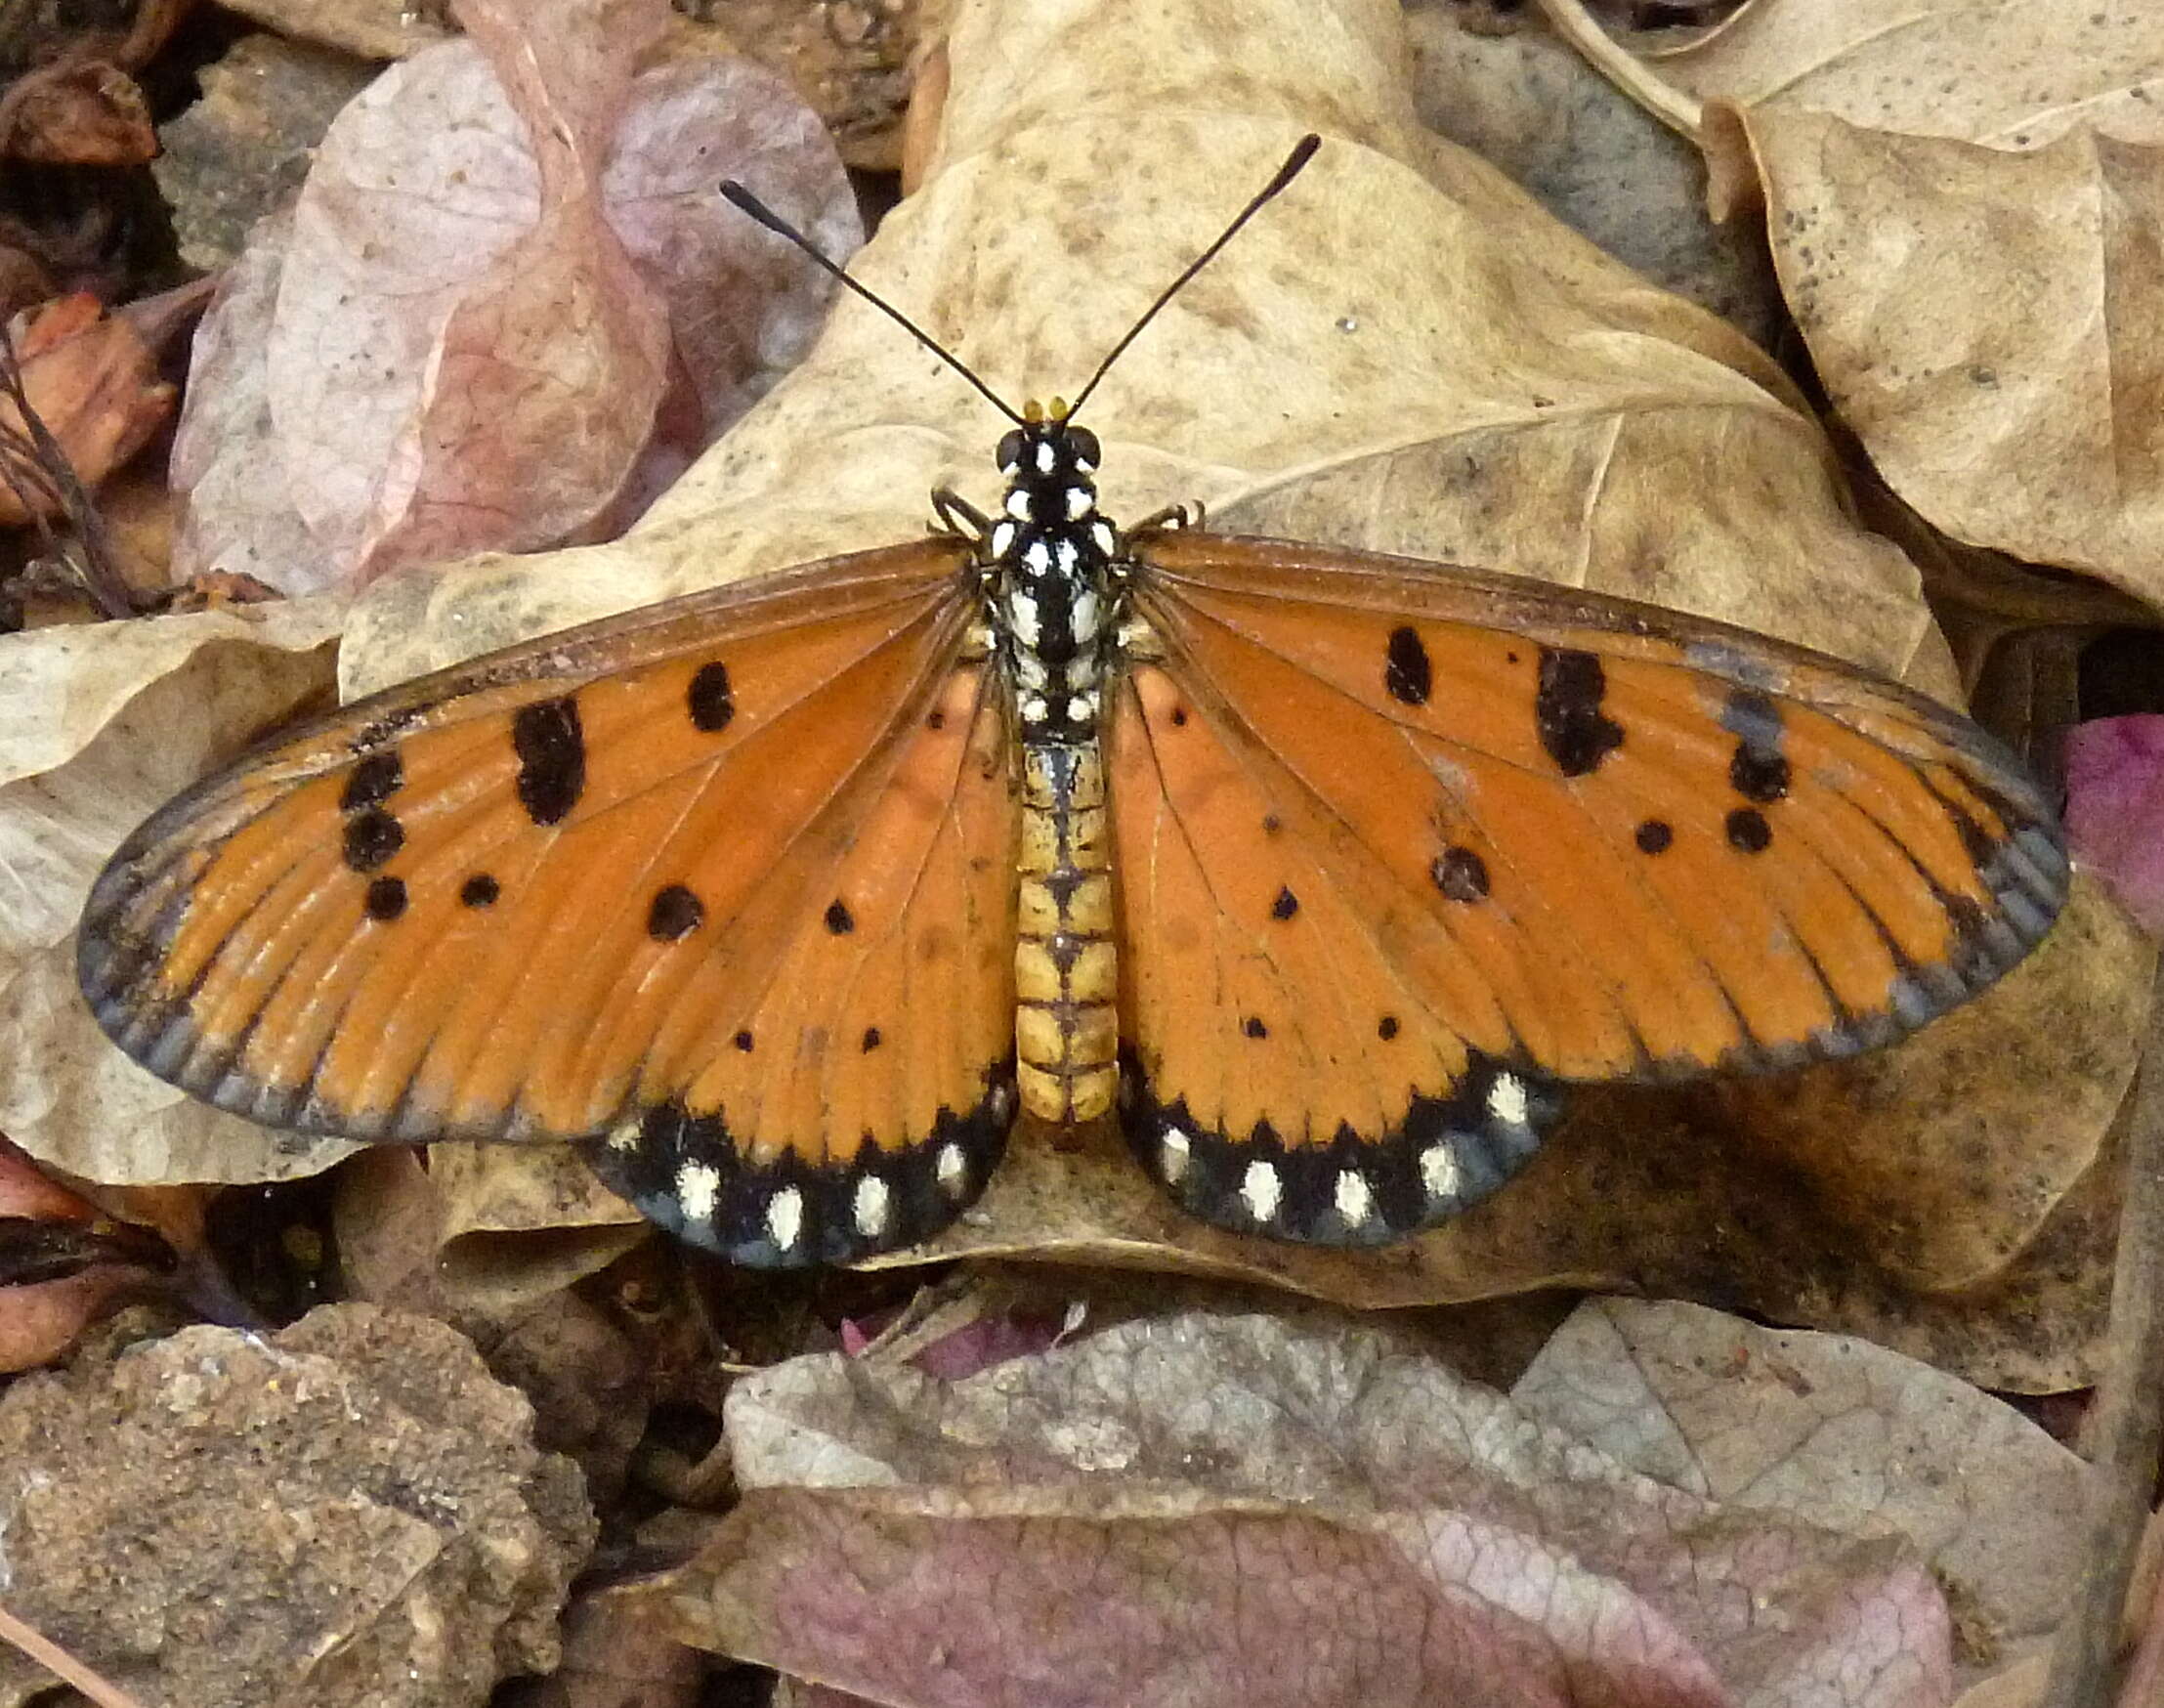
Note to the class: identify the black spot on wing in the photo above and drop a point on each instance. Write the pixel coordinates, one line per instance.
(479, 891)
(1758, 770)
(552, 759)
(1460, 874)
(712, 704)
(386, 899)
(1406, 671)
(839, 919)
(1574, 731)
(372, 781)
(1285, 906)
(371, 837)
(1654, 836)
(675, 913)
(1747, 831)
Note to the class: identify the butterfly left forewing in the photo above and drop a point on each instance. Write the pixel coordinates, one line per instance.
(549, 894)
(1596, 840)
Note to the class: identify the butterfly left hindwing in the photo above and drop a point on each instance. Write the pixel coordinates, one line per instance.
(724, 886)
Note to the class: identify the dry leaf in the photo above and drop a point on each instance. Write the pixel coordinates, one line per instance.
(1962, 207)
(505, 334)
(1852, 1435)
(62, 1263)
(94, 383)
(97, 727)
(78, 112)
(372, 30)
(2115, 809)
(1228, 1510)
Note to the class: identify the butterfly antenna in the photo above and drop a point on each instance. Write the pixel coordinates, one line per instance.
(1304, 151)
(742, 198)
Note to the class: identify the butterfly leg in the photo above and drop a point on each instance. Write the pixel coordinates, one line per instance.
(1164, 521)
(953, 514)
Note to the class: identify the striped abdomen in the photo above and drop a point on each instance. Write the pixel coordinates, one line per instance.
(1066, 969)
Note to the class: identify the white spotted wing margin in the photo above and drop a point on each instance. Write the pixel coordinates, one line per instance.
(723, 887)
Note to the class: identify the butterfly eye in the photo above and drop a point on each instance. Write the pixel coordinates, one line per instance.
(1084, 442)
(1010, 452)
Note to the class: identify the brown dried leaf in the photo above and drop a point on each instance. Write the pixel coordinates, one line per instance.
(1963, 212)
(78, 113)
(372, 30)
(97, 727)
(92, 382)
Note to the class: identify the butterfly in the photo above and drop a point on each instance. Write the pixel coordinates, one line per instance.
(1322, 873)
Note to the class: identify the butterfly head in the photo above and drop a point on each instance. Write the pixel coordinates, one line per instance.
(1047, 449)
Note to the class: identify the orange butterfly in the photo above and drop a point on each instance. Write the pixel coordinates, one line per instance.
(1322, 870)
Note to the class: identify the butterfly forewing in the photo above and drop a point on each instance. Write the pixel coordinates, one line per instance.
(690, 874)
(1437, 840)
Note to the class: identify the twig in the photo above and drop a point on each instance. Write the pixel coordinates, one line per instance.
(1673, 106)
(101, 581)
(2127, 1425)
(63, 1665)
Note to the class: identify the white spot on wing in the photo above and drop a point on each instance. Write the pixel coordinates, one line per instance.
(626, 1136)
(1077, 503)
(1102, 532)
(1003, 538)
(784, 1218)
(1507, 1100)
(1439, 1171)
(1261, 1190)
(1174, 1155)
(870, 1206)
(1354, 1200)
(953, 1168)
(697, 1191)
(1018, 504)
(1036, 558)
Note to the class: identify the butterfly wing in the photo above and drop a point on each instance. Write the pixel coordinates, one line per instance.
(1401, 850)
(724, 887)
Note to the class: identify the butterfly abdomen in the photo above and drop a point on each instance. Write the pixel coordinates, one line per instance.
(1065, 971)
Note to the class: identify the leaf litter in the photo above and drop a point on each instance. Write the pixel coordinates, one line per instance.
(1675, 1506)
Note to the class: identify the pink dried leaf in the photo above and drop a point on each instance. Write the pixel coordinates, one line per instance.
(474, 346)
(1207, 1508)
(2115, 809)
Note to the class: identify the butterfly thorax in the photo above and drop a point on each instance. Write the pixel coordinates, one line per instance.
(1051, 563)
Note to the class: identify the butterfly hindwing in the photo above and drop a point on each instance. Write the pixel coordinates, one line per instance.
(1442, 841)
(1297, 1060)
(677, 884)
